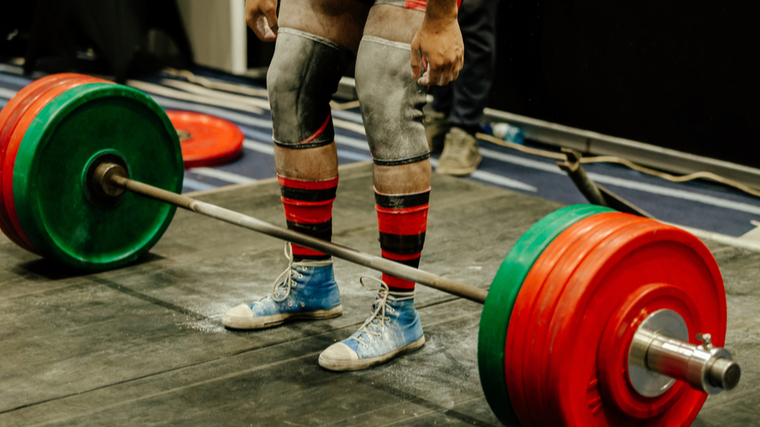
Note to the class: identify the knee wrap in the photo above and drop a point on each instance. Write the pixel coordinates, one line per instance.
(303, 75)
(391, 102)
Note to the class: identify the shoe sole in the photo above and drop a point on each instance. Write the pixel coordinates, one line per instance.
(358, 365)
(460, 171)
(273, 320)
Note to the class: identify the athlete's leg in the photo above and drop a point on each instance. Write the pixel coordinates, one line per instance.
(391, 103)
(392, 112)
(317, 40)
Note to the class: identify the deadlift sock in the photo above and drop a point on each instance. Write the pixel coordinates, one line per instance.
(402, 220)
(308, 209)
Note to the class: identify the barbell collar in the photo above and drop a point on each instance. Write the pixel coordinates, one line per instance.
(108, 176)
(704, 367)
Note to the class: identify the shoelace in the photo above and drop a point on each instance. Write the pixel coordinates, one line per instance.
(375, 323)
(287, 279)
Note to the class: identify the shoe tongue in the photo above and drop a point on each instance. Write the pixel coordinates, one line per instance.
(458, 134)
(380, 300)
(312, 263)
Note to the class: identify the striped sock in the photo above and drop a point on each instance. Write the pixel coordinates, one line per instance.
(402, 220)
(308, 210)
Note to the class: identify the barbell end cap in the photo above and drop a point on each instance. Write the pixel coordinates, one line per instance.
(724, 374)
(103, 179)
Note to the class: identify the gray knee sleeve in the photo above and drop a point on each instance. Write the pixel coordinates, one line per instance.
(303, 75)
(391, 102)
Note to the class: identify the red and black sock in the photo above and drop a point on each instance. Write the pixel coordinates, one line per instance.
(402, 220)
(308, 209)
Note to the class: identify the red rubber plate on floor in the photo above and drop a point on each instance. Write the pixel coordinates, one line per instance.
(530, 317)
(624, 264)
(9, 117)
(554, 284)
(206, 140)
(6, 189)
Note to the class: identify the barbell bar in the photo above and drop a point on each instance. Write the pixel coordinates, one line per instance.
(702, 367)
(71, 157)
(110, 178)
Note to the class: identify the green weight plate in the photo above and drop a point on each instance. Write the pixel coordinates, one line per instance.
(52, 201)
(505, 287)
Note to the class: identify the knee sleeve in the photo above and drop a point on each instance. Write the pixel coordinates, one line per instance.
(303, 75)
(391, 102)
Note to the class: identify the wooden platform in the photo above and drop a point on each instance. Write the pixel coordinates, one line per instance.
(144, 344)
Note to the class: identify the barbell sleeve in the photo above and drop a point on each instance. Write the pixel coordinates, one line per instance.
(704, 367)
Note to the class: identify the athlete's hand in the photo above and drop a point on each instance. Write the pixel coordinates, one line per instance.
(438, 47)
(261, 17)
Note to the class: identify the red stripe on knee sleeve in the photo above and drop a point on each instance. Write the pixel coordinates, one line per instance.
(303, 184)
(307, 212)
(403, 222)
(319, 131)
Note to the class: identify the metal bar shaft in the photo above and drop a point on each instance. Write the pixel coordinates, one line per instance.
(374, 262)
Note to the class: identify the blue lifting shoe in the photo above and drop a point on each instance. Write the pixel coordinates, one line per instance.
(393, 329)
(305, 291)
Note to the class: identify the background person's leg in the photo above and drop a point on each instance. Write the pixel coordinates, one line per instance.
(469, 93)
(459, 106)
(437, 117)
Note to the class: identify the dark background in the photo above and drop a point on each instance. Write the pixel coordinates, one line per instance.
(677, 74)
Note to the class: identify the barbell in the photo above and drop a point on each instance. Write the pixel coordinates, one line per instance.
(595, 317)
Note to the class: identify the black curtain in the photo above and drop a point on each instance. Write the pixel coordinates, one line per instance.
(677, 74)
(117, 31)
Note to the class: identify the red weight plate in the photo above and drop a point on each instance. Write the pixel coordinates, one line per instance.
(206, 140)
(522, 337)
(612, 365)
(6, 189)
(520, 320)
(9, 117)
(552, 279)
(640, 255)
(25, 98)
